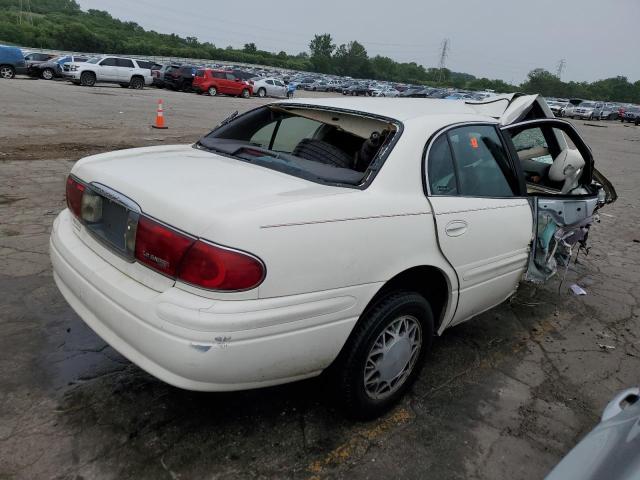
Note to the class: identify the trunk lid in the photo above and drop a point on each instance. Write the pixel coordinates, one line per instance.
(190, 189)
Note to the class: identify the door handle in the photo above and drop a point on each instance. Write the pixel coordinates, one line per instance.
(455, 228)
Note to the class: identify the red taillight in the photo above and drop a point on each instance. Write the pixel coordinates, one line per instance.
(160, 247)
(218, 268)
(74, 195)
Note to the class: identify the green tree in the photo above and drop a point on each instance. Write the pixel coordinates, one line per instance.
(321, 48)
(250, 48)
(541, 81)
(352, 60)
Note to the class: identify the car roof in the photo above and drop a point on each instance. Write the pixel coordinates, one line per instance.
(398, 108)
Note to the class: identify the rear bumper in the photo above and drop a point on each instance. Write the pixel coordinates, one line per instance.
(199, 343)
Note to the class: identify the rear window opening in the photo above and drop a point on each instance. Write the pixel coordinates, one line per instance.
(322, 145)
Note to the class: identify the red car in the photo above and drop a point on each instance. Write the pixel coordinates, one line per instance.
(221, 82)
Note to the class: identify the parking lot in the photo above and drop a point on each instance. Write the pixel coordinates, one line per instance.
(503, 396)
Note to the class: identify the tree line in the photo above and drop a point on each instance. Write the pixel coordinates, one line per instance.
(61, 24)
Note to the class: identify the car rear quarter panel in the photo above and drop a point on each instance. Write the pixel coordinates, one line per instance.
(351, 238)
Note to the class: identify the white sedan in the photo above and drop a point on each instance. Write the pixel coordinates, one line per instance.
(269, 87)
(342, 232)
(385, 92)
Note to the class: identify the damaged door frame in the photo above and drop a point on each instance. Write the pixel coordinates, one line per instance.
(567, 217)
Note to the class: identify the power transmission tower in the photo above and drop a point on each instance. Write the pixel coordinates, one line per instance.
(25, 12)
(560, 68)
(444, 52)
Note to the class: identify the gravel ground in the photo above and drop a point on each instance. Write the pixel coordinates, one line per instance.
(503, 396)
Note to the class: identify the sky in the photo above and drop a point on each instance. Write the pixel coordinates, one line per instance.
(488, 38)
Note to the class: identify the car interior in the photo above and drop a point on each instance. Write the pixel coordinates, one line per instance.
(547, 164)
(322, 145)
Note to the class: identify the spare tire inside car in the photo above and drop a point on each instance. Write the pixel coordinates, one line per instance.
(322, 152)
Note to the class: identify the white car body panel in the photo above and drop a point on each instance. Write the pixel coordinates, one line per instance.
(328, 251)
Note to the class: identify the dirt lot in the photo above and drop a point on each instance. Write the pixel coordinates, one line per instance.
(503, 396)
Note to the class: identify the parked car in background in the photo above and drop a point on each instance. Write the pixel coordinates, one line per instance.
(320, 86)
(269, 87)
(586, 110)
(242, 74)
(317, 233)
(384, 92)
(304, 82)
(631, 115)
(611, 450)
(34, 58)
(11, 62)
(158, 75)
(224, 82)
(54, 68)
(179, 77)
(124, 71)
(606, 111)
(357, 89)
(557, 106)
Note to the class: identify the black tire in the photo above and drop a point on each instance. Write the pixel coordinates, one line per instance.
(349, 370)
(48, 74)
(7, 72)
(245, 93)
(87, 79)
(262, 92)
(213, 91)
(637, 122)
(137, 83)
(322, 152)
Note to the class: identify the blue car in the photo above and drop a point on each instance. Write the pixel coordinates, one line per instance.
(11, 62)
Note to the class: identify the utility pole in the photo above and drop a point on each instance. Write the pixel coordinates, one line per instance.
(560, 68)
(444, 52)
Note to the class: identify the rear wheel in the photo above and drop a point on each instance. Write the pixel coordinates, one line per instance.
(384, 353)
(48, 74)
(7, 71)
(213, 91)
(262, 92)
(88, 79)
(137, 83)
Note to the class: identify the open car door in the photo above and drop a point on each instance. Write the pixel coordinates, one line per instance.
(564, 190)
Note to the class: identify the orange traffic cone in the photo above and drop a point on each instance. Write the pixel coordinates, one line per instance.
(160, 117)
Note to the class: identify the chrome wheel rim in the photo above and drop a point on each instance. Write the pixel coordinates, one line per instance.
(213, 92)
(392, 357)
(5, 72)
(47, 74)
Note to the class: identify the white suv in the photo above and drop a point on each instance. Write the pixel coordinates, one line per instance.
(125, 71)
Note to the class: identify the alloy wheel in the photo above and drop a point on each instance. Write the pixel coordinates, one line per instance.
(6, 72)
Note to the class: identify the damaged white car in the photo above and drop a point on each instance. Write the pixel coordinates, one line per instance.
(310, 234)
